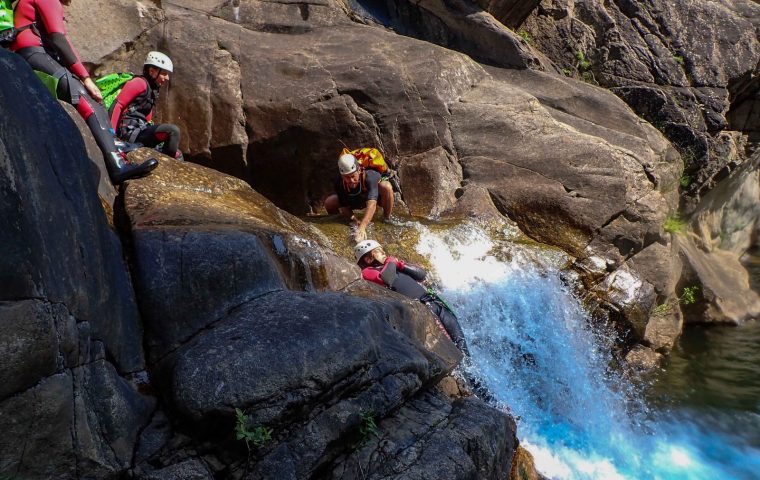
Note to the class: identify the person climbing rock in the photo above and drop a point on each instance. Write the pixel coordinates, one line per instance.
(43, 43)
(132, 111)
(359, 188)
(406, 279)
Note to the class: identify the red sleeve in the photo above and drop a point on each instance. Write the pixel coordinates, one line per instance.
(128, 93)
(399, 263)
(50, 14)
(372, 275)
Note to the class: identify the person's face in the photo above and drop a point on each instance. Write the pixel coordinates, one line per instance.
(378, 254)
(160, 76)
(352, 179)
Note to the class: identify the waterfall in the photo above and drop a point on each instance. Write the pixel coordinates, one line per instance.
(537, 351)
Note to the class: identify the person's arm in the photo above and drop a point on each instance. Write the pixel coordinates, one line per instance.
(131, 90)
(415, 271)
(371, 181)
(50, 14)
(372, 275)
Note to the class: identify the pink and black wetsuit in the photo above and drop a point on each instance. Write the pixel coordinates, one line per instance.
(46, 47)
(404, 278)
(131, 114)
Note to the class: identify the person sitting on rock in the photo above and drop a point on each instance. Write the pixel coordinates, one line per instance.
(359, 188)
(132, 111)
(43, 43)
(406, 279)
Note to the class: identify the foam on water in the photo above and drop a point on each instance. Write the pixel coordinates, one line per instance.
(535, 349)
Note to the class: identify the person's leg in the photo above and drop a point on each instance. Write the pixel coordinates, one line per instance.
(169, 134)
(72, 91)
(451, 324)
(385, 191)
(332, 204)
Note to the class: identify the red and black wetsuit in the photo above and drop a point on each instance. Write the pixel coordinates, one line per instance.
(132, 112)
(405, 281)
(47, 49)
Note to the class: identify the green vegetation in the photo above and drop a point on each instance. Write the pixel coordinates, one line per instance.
(582, 63)
(689, 295)
(679, 59)
(568, 72)
(258, 436)
(525, 36)
(675, 225)
(685, 180)
(661, 310)
(368, 427)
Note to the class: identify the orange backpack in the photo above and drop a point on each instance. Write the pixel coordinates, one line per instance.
(369, 157)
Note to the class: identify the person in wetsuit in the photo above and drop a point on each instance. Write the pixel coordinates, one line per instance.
(132, 111)
(43, 43)
(359, 188)
(405, 279)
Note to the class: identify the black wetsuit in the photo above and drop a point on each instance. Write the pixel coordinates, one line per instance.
(356, 199)
(404, 278)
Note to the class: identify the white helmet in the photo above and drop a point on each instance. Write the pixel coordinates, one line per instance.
(159, 60)
(364, 247)
(347, 164)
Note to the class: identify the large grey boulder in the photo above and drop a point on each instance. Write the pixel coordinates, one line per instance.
(68, 318)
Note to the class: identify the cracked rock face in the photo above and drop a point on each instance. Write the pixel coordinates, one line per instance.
(69, 325)
(688, 67)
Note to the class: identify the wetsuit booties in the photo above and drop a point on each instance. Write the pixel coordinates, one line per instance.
(118, 169)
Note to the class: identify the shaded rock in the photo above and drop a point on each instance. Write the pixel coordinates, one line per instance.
(511, 13)
(434, 437)
(188, 470)
(58, 246)
(109, 415)
(465, 26)
(327, 372)
(664, 326)
(37, 440)
(206, 243)
(36, 340)
(210, 373)
(81, 421)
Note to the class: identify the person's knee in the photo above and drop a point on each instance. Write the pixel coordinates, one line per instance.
(332, 205)
(173, 130)
(386, 191)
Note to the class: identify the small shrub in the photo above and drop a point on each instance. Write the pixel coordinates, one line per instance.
(258, 436)
(568, 72)
(685, 180)
(527, 38)
(679, 59)
(661, 310)
(582, 63)
(674, 225)
(689, 295)
(368, 427)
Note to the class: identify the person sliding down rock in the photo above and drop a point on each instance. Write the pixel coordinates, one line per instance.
(406, 279)
(43, 43)
(359, 188)
(132, 111)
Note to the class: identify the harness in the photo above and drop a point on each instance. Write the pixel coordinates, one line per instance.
(135, 116)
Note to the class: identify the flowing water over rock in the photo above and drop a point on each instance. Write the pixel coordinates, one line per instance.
(536, 350)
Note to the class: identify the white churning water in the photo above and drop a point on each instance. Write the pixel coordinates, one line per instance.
(534, 347)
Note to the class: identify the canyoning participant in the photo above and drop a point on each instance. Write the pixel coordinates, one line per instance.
(43, 43)
(406, 279)
(132, 111)
(359, 188)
